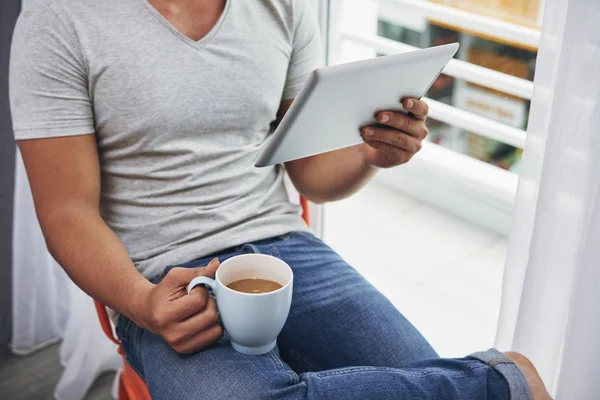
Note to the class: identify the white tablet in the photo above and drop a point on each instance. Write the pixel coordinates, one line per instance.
(337, 101)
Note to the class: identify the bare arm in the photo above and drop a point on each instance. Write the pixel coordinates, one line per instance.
(64, 174)
(338, 174)
(331, 176)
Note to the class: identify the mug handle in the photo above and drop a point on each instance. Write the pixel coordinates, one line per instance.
(202, 280)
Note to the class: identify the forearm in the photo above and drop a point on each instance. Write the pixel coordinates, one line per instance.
(338, 174)
(331, 176)
(95, 259)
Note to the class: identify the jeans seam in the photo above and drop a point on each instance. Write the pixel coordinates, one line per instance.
(430, 371)
(122, 330)
(495, 361)
(276, 361)
(279, 365)
(132, 345)
(132, 365)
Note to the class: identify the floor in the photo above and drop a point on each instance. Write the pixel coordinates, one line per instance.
(34, 377)
(443, 274)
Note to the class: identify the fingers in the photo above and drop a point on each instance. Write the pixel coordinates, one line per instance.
(188, 322)
(199, 341)
(405, 123)
(418, 108)
(392, 137)
(196, 332)
(384, 155)
(181, 305)
(179, 276)
(182, 276)
(186, 306)
(402, 140)
(201, 320)
(393, 154)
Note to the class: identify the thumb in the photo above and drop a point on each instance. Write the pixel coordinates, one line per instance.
(183, 276)
(211, 269)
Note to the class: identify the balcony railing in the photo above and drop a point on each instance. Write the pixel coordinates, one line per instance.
(442, 175)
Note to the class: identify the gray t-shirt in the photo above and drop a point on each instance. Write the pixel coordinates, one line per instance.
(179, 124)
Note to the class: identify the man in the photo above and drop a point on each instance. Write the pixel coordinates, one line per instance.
(139, 122)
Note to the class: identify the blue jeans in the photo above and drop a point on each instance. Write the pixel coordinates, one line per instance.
(343, 340)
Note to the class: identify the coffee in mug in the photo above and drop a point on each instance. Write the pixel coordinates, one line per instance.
(254, 285)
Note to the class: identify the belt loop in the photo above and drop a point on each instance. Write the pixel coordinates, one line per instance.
(250, 248)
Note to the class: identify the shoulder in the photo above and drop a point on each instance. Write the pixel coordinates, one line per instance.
(289, 12)
(64, 21)
(296, 9)
(42, 22)
(44, 15)
(63, 11)
(48, 8)
(57, 5)
(48, 26)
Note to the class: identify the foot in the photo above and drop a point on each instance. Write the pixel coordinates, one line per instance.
(536, 386)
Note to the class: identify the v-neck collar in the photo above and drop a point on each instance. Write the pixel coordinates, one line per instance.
(195, 43)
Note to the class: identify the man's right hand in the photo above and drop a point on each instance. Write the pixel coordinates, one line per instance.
(187, 322)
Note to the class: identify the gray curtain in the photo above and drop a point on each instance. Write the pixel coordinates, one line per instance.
(9, 10)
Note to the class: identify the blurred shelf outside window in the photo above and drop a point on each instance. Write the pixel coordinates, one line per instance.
(479, 106)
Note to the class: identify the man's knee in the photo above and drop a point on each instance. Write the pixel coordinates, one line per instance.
(218, 372)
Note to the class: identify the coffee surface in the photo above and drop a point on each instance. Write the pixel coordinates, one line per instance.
(254, 285)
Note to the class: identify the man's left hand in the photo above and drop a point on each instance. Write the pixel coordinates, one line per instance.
(399, 139)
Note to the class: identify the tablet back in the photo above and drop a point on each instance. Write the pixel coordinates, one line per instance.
(337, 101)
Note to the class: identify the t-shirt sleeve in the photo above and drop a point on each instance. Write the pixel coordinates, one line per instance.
(306, 48)
(48, 81)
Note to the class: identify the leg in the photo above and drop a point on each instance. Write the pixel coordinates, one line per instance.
(218, 372)
(221, 372)
(338, 319)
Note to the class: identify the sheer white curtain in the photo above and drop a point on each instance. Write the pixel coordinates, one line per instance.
(550, 296)
(40, 286)
(48, 307)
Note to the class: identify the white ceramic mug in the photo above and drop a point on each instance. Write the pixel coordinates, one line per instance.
(252, 320)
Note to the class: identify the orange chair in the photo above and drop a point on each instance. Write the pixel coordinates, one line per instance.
(131, 385)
